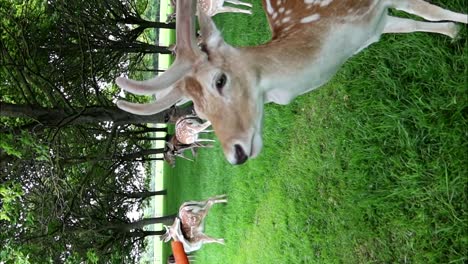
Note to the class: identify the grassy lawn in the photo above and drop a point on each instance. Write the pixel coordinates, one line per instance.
(371, 168)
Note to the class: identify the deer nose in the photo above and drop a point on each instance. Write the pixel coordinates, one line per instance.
(241, 157)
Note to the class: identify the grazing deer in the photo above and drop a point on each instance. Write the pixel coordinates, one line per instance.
(188, 227)
(188, 127)
(214, 7)
(311, 39)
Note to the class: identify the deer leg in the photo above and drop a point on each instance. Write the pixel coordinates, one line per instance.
(205, 140)
(204, 206)
(194, 152)
(200, 145)
(428, 11)
(219, 198)
(199, 128)
(229, 9)
(211, 201)
(404, 25)
(183, 157)
(236, 2)
(205, 146)
(207, 239)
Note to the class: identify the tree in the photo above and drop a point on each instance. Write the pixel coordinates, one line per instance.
(71, 162)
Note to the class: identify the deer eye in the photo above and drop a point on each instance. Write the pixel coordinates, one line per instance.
(220, 82)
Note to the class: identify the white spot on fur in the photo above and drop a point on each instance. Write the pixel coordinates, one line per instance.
(281, 10)
(322, 3)
(269, 7)
(325, 2)
(311, 18)
(286, 19)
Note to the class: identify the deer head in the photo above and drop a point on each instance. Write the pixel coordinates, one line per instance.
(215, 80)
(311, 40)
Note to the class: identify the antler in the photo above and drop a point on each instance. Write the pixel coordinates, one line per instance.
(188, 54)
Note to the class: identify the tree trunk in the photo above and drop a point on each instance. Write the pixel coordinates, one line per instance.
(151, 138)
(54, 117)
(143, 131)
(140, 154)
(144, 195)
(146, 221)
(146, 23)
(138, 47)
(147, 233)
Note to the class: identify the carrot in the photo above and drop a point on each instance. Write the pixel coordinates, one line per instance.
(179, 252)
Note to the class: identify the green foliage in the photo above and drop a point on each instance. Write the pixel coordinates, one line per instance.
(370, 168)
(24, 146)
(10, 255)
(6, 143)
(62, 182)
(92, 256)
(10, 193)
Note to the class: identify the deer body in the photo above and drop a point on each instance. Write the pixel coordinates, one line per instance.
(311, 39)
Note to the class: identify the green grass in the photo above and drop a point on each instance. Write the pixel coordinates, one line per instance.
(371, 168)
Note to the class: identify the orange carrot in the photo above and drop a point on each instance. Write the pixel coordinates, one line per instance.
(179, 252)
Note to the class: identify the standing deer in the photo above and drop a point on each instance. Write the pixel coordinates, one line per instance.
(188, 127)
(189, 226)
(311, 39)
(174, 148)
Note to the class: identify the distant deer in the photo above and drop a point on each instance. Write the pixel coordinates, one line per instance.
(174, 148)
(187, 129)
(188, 227)
(311, 39)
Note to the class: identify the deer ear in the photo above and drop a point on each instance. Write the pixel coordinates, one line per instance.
(166, 237)
(210, 34)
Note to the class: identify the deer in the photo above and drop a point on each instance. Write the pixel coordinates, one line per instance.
(214, 7)
(188, 127)
(174, 148)
(311, 39)
(189, 225)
